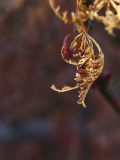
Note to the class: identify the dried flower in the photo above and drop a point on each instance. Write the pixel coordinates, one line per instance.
(88, 64)
(110, 16)
(76, 16)
(110, 13)
(81, 51)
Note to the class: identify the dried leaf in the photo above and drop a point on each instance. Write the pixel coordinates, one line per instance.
(88, 64)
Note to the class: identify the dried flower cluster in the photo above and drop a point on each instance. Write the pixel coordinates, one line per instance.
(105, 11)
(110, 13)
(88, 64)
(81, 52)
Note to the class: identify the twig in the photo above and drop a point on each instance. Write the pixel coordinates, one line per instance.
(110, 98)
(102, 84)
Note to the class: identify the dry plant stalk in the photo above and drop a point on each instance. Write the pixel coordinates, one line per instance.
(88, 64)
(110, 15)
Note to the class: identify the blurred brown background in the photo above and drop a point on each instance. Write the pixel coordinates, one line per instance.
(37, 123)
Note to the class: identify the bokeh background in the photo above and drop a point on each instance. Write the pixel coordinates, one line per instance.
(37, 123)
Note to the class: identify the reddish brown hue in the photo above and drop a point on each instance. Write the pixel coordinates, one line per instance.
(30, 39)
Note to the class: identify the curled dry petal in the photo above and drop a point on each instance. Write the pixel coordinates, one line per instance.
(64, 89)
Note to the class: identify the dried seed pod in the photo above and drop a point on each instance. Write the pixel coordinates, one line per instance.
(88, 64)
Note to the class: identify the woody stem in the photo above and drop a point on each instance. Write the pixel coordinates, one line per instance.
(102, 85)
(110, 98)
(77, 12)
(77, 6)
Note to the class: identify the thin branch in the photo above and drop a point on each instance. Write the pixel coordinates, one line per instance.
(102, 84)
(110, 98)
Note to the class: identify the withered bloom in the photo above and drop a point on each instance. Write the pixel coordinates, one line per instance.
(75, 17)
(81, 51)
(89, 64)
(104, 11)
(110, 16)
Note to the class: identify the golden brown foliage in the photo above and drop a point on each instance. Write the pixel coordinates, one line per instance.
(88, 64)
(104, 11)
(81, 52)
